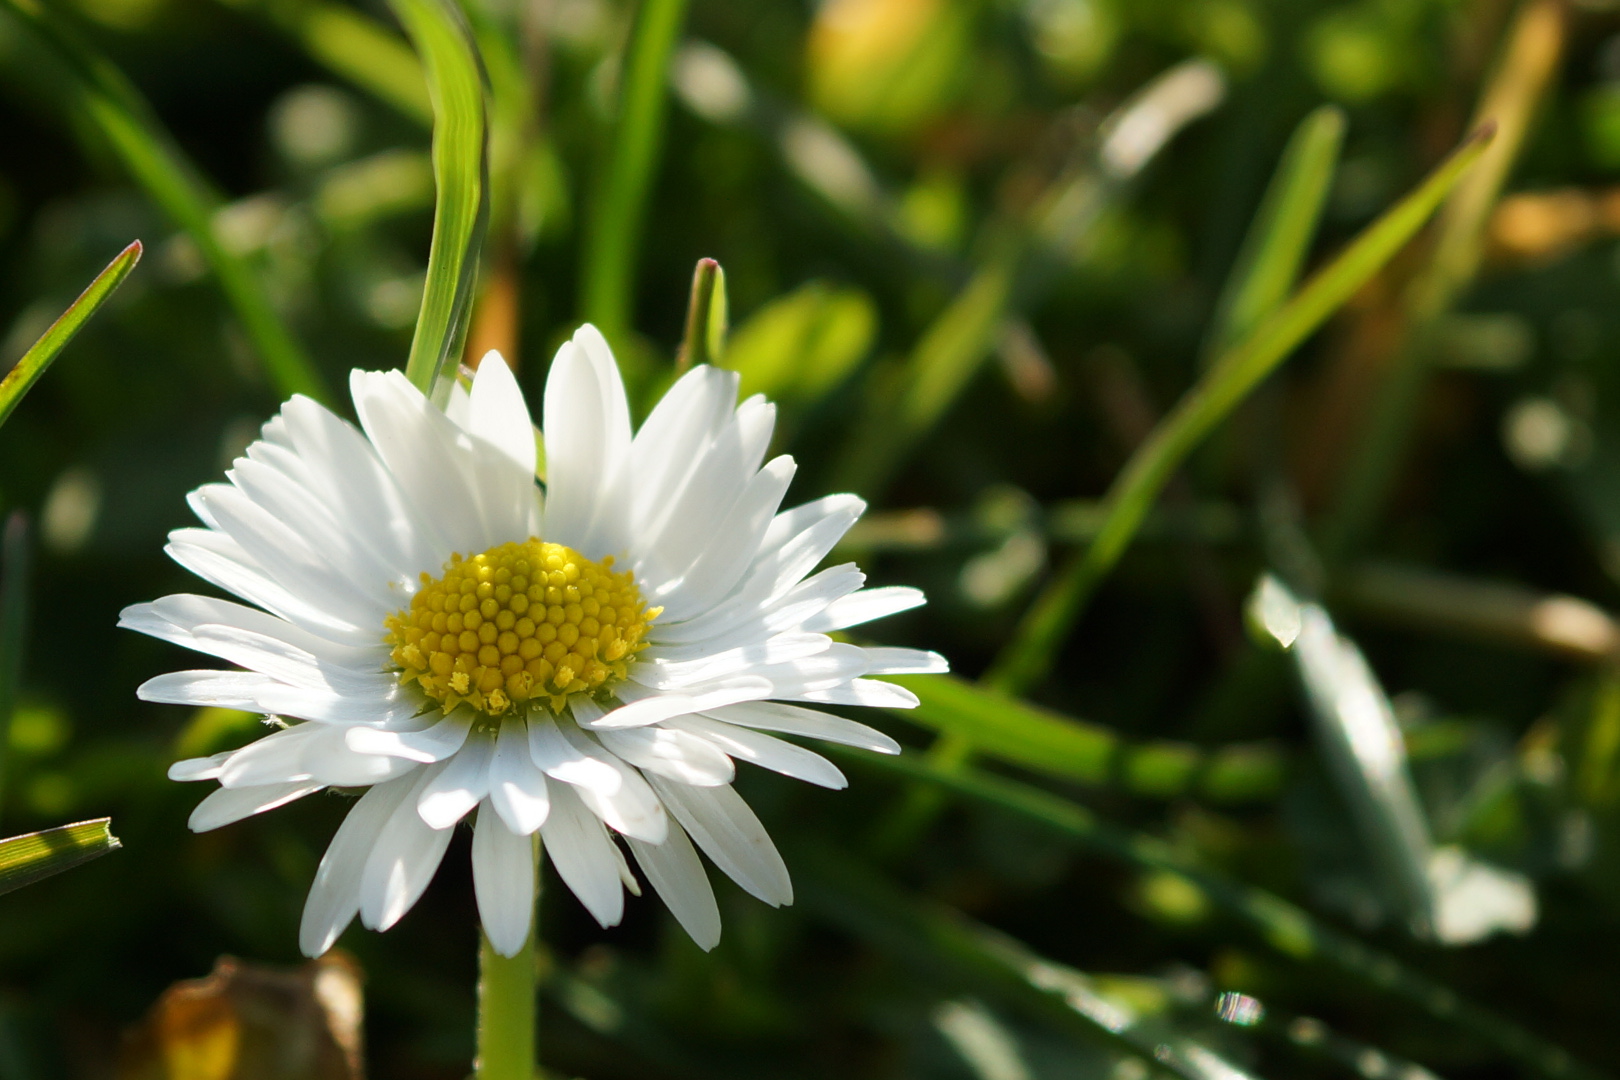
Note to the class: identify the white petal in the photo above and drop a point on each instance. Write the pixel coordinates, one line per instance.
(218, 689)
(503, 880)
(280, 660)
(498, 414)
(887, 660)
(731, 627)
(658, 705)
(780, 649)
(675, 871)
(766, 751)
(864, 606)
(722, 824)
(175, 617)
(625, 803)
(402, 860)
(397, 706)
(583, 854)
(563, 760)
(434, 744)
(334, 897)
(227, 805)
(794, 720)
(672, 440)
(459, 787)
(672, 752)
(587, 432)
(517, 788)
(871, 693)
(199, 768)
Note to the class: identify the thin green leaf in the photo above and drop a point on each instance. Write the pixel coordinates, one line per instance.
(1031, 737)
(15, 570)
(615, 225)
(460, 173)
(1280, 236)
(1236, 373)
(705, 336)
(28, 858)
(119, 112)
(21, 378)
(801, 346)
(1280, 924)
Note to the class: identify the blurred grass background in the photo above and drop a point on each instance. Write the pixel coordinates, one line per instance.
(977, 249)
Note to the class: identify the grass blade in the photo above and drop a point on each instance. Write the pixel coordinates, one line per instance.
(706, 317)
(32, 856)
(1050, 743)
(1232, 377)
(21, 378)
(1278, 240)
(460, 173)
(15, 559)
(615, 226)
(1282, 925)
(116, 109)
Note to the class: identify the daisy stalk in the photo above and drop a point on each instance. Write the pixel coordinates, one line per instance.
(577, 668)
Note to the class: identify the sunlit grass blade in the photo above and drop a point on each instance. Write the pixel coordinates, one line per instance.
(1280, 236)
(118, 111)
(1528, 67)
(28, 858)
(460, 173)
(956, 955)
(16, 557)
(614, 234)
(355, 47)
(21, 378)
(1034, 738)
(1235, 373)
(1283, 926)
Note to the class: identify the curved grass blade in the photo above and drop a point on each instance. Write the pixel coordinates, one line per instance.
(1280, 924)
(1034, 738)
(615, 226)
(1278, 240)
(28, 858)
(460, 173)
(706, 317)
(115, 108)
(15, 557)
(21, 378)
(1236, 373)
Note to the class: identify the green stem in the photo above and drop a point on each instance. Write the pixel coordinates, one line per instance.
(506, 1012)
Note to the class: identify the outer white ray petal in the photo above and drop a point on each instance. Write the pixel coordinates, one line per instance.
(425, 747)
(459, 407)
(766, 751)
(625, 804)
(766, 652)
(672, 440)
(218, 689)
(672, 752)
(863, 607)
(727, 830)
(796, 720)
(227, 805)
(503, 881)
(275, 758)
(199, 768)
(561, 759)
(276, 658)
(888, 660)
(334, 897)
(402, 860)
(459, 787)
(498, 414)
(587, 431)
(661, 558)
(175, 617)
(517, 787)
(870, 693)
(677, 874)
(584, 856)
(654, 706)
(832, 667)
(730, 547)
(724, 629)
(397, 708)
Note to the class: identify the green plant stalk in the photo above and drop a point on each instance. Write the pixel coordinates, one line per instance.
(705, 336)
(29, 858)
(1267, 267)
(1029, 655)
(615, 225)
(461, 180)
(15, 557)
(26, 372)
(506, 1012)
(1535, 43)
(1280, 924)
(118, 111)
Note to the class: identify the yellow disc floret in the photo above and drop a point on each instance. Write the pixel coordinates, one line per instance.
(523, 622)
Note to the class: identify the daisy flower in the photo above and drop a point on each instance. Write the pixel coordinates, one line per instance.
(585, 662)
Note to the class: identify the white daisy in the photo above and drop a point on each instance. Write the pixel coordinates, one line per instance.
(586, 665)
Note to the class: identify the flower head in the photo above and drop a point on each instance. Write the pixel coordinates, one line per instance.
(586, 663)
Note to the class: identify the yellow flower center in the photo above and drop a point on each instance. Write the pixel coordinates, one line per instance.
(529, 621)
